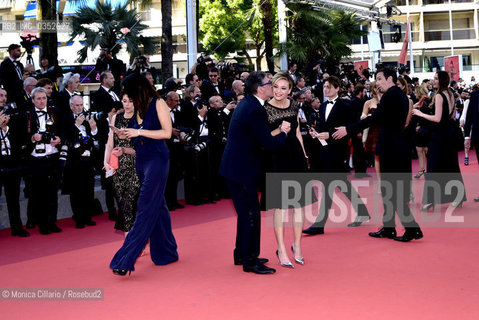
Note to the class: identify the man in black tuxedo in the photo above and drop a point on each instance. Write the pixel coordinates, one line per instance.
(106, 100)
(71, 83)
(42, 139)
(10, 166)
(472, 123)
(24, 99)
(213, 86)
(11, 72)
(248, 134)
(175, 146)
(333, 155)
(79, 175)
(395, 161)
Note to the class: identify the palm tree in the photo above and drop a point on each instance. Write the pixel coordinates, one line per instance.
(324, 34)
(105, 26)
(166, 41)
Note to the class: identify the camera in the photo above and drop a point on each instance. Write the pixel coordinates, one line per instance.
(48, 135)
(141, 61)
(28, 42)
(10, 109)
(63, 155)
(199, 102)
(203, 59)
(97, 116)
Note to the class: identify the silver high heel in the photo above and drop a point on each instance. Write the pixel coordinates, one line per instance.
(300, 261)
(284, 264)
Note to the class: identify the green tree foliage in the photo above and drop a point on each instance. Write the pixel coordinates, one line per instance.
(102, 26)
(320, 34)
(243, 18)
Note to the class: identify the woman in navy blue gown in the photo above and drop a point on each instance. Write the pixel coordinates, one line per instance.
(148, 130)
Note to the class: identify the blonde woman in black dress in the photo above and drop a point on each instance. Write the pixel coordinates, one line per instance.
(289, 157)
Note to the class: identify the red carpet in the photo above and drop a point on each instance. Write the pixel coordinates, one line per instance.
(347, 274)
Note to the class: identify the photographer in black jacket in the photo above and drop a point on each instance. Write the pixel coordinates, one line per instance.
(10, 168)
(79, 150)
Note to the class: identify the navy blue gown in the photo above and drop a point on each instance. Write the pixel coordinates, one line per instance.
(152, 217)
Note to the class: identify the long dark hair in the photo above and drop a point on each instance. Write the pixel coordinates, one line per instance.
(444, 80)
(139, 89)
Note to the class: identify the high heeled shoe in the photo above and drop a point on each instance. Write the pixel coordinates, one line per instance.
(426, 207)
(284, 264)
(121, 272)
(457, 204)
(466, 161)
(419, 174)
(300, 261)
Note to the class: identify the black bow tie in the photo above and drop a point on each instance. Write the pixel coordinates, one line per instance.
(331, 101)
(41, 113)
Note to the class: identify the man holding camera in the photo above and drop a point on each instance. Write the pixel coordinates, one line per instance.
(108, 62)
(42, 141)
(80, 132)
(11, 72)
(10, 168)
(24, 99)
(106, 100)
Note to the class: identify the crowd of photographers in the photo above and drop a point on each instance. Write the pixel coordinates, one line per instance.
(52, 142)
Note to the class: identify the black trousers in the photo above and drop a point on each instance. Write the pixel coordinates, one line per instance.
(43, 200)
(395, 190)
(248, 228)
(10, 180)
(79, 177)
(327, 199)
(359, 156)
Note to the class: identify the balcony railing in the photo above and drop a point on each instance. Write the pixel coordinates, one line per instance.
(388, 37)
(403, 2)
(458, 34)
(6, 4)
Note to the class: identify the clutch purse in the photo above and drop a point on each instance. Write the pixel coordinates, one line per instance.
(113, 161)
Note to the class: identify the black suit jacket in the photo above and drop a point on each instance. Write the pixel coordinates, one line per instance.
(70, 135)
(390, 115)
(472, 118)
(102, 101)
(208, 90)
(248, 133)
(31, 123)
(10, 79)
(62, 101)
(333, 156)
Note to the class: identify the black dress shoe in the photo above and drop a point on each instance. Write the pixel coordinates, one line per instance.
(112, 215)
(239, 261)
(20, 232)
(361, 175)
(79, 225)
(54, 228)
(314, 230)
(30, 225)
(358, 221)
(44, 230)
(121, 272)
(410, 234)
(384, 233)
(90, 223)
(179, 206)
(259, 269)
(476, 199)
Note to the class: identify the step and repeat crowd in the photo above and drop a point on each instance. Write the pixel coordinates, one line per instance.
(53, 143)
